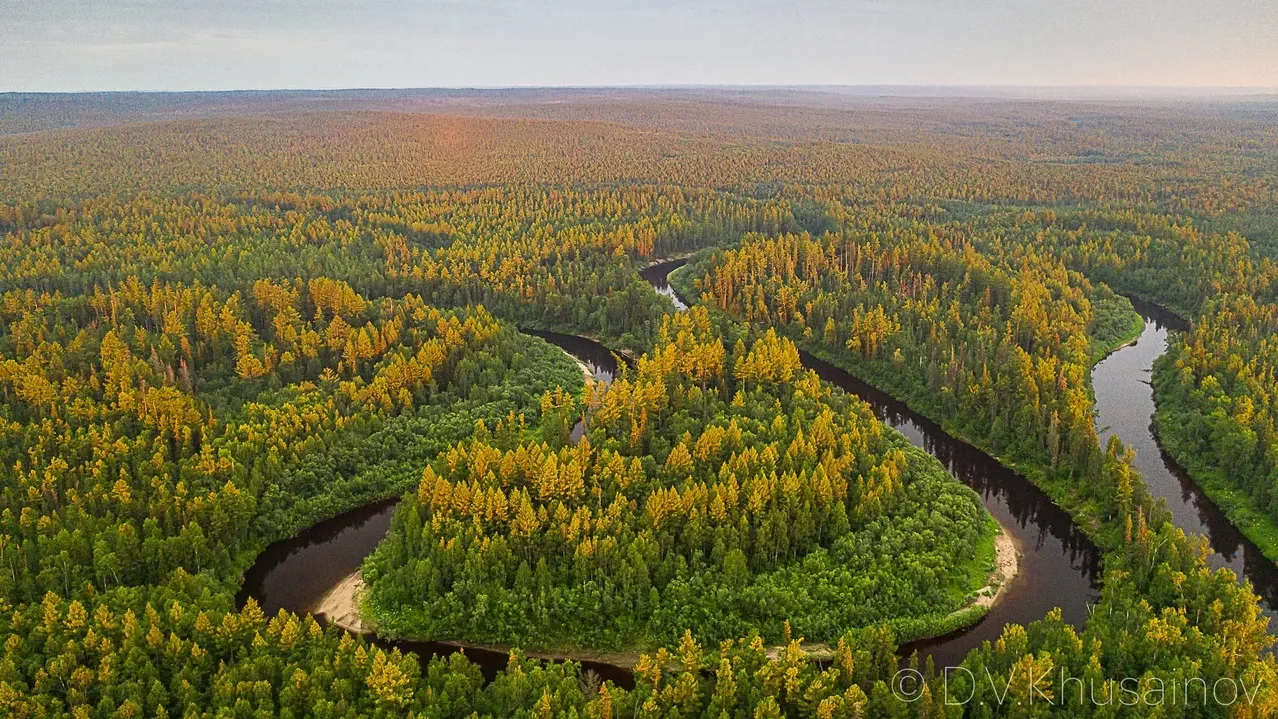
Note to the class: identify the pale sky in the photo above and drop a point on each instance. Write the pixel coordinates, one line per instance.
(69, 45)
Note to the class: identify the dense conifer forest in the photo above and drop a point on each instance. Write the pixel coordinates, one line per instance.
(719, 491)
(225, 320)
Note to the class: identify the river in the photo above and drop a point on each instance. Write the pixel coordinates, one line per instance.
(658, 276)
(1125, 406)
(1059, 565)
(297, 573)
(597, 358)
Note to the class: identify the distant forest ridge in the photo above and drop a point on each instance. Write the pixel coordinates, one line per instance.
(832, 112)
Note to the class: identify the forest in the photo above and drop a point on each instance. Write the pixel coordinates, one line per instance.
(219, 330)
(683, 510)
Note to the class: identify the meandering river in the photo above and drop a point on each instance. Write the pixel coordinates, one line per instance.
(1059, 565)
(1125, 407)
(658, 276)
(296, 574)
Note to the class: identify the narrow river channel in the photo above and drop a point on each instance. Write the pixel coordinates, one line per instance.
(1125, 407)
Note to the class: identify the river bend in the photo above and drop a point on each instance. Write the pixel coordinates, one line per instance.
(1059, 565)
(1125, 407)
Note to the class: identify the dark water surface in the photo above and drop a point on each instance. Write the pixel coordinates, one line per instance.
(658, 276)
(1125, 407)
(1059, 565)
(599, 359)
(297, 573)
(601, 362)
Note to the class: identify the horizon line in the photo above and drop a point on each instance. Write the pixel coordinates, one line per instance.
(1076, 87)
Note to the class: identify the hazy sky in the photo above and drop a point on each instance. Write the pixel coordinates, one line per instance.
(262, 44)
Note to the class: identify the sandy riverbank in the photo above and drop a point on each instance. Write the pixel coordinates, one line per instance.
(341, 605)
(585, 371)
(1006, 565)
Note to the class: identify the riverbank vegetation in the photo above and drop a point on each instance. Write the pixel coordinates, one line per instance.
(216, 331)
(721, 489)
(1217, 402)
(977, 338)
(1214, 386)
(1001, 356)
(185, 424)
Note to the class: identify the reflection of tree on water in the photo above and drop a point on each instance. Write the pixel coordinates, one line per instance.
(296, 573)
(599, 360)
(1060, 567)
(1125, 405)
(659, 277)
(1063, 563)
